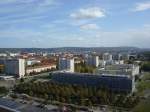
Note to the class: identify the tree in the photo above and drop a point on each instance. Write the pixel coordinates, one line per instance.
(89, 103)
(3, 90)
(45, 96)
(21, 80)
(31, 93)
(80, 95)
(145, 66)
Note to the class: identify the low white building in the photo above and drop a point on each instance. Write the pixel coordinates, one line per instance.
(3, 54)
(32, 62)
(118, 62)
(125, 69)
(104, 63)
(14, 54)
(7, 81)
(38, 69)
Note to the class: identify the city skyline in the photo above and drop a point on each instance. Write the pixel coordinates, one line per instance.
(68, 23)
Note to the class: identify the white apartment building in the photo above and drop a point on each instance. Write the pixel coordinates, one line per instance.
(66, 64)
(15, 67)
(93, 61)
(107, 57)
(38, 69)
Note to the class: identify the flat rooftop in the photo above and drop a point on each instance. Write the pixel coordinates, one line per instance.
(89, 74)
(119, 66)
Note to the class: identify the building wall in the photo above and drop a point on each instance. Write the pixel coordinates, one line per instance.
(14, 67)
(93, 61)
(62, 64)
(39, 69)
(3, 55)
(1, 68)
(135, 70)
(107, 56)
(71, 65)
(7, 83)
(114, 83)
(66, 64)
(21, 67)
(31, 62)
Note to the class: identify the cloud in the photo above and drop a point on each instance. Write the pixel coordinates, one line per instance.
(139, 37)
(22, 7)
(89, 27)
(88, 13)
(25, 11)
(142, 6)
(136, 37)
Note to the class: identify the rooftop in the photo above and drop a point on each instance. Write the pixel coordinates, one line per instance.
(89, 74)
(9, 105)
(41, 66)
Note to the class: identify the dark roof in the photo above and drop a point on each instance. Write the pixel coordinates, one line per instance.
(7, 105)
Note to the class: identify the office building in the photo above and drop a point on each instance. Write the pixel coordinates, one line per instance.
(117, 83)
(126, 69)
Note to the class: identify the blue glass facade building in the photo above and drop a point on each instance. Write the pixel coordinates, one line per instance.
(119, 83)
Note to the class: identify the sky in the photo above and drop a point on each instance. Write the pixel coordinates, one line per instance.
(74, 23)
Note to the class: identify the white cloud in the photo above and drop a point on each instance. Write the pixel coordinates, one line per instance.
(139, 37)
(89, 27)
(36, 40)
(88, 13)
(147, 26)
(136, 37)
(142, 6)
(23, 6)
(25, 10)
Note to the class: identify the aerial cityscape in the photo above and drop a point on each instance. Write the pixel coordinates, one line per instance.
(74, 56)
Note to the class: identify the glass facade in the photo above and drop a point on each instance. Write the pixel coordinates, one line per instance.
(114, 83)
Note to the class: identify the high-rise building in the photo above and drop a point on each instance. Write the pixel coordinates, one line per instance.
(66, 64)
(107, 57)
(93, 61)
(15, 67)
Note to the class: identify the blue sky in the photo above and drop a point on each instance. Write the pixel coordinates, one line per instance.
(81, 23)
